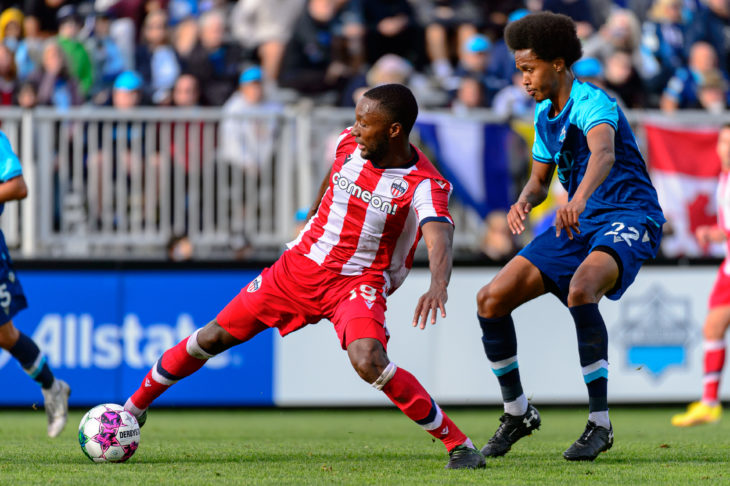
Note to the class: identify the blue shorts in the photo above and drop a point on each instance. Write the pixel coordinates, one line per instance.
(630, 238)
(12, 298)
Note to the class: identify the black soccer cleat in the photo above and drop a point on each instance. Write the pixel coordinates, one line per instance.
(465, 457)
(512, 429)
(142, 419)
(594, 440)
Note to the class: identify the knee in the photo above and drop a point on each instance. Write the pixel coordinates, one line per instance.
(8, 335)
(580, 293)
(213, 339)
(368, 359)
(490, 302)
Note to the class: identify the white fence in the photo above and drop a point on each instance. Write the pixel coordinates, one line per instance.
(108, 182)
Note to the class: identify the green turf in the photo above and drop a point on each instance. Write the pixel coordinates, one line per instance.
(193, 447)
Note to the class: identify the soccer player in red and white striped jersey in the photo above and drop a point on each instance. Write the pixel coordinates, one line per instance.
(380, 197)
(709, 409)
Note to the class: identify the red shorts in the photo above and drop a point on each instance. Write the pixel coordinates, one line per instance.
(296, 291)
(720, 295)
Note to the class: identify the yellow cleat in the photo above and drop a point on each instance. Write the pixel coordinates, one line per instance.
(698, 413)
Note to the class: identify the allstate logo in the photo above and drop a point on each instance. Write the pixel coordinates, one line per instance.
(655, 330)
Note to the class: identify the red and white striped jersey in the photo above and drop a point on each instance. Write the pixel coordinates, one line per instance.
(369, 218)
(723, 213)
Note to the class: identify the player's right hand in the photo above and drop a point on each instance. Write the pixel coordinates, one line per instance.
(516, 217)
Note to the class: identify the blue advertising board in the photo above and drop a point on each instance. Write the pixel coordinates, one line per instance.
(102, 330)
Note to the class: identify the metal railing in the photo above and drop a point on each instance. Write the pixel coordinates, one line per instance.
(104, 182)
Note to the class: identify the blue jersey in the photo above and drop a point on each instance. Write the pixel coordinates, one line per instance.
(562, 141)
(9, 163)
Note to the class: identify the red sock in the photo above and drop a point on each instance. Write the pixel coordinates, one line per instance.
(408, 394)
(176, 363)
(714, 362)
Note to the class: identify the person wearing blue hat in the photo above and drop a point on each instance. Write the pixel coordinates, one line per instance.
(247, 140)
(474, 57)
(127, 90)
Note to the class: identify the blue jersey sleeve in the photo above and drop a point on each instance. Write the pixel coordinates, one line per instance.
(9, 163)
(594, 107)
(540, 152)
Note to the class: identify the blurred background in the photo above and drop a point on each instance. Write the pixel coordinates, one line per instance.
(172, 148)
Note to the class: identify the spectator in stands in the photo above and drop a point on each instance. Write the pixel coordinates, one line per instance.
(621, 32)
(663, 38)
(682, 89)
(8, 76)
(469, 96)
(11, 28)
(27, 95)
(155, 60)
(29, 52)
(185, 37)
(45, 14)
(445, 21)
(474, 62)
(513, 101)
(213, 61)
(502, 61)
(590, 70)
(127, 90)
(265, 26)
(711, 24)
(622, 79)
(56, 86)
(180, 249)
(186, 91)
(391, 27)
(106, 57)
(713, 93)
(248, 141)
(79, 61)
(392, 68)
(314, 61)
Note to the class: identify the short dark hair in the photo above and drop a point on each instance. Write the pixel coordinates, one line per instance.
(399, 103)
(548, 34)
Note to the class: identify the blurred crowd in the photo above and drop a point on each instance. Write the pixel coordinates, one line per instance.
(668, 54)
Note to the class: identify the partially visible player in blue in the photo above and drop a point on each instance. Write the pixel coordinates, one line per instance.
(12, 300)
(611, 224)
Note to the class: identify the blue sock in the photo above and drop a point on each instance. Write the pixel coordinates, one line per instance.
(32, 360)
(593, 352)
(500, 345)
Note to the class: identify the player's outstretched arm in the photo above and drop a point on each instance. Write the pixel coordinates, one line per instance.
(600, 143)
(13, 189)
(534, 192)
(439, 238)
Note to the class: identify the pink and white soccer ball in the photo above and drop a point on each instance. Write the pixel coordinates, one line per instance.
(108, 433)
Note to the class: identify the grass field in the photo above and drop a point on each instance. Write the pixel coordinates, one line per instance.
(380, 446)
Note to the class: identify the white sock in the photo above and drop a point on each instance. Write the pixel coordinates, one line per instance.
(516, 407)
(600, 419)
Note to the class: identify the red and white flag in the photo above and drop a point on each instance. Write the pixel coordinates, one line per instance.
(684, 167)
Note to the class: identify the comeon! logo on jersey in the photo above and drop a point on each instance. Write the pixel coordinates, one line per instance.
(377, 202)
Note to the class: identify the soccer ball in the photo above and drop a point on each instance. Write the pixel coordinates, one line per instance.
(108, 433)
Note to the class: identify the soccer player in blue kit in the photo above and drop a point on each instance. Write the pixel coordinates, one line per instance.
(12, 300)
(611, 224)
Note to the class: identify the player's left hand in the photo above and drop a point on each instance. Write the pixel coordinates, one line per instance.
(430, 303)
(566, 217)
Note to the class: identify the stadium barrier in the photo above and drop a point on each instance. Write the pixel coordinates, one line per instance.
(103, 329)
(104, 181)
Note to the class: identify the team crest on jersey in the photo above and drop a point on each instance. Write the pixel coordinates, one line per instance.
(255, 285)
(398, 187)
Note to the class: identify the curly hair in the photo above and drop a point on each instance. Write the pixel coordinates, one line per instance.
(398, 102)
(549, 35)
